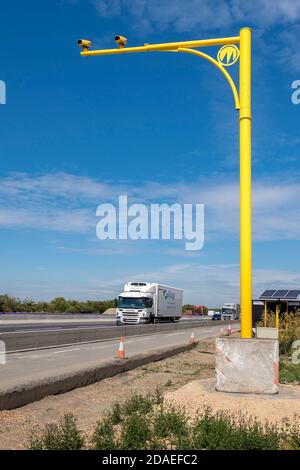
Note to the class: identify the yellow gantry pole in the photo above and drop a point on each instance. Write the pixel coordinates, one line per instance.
(220, 67)
(265, 313)
(245, 184)
(243, 103)
(277, 316)
(168, 46)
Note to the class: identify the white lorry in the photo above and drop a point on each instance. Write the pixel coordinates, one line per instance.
(147, 302)
(230, 311)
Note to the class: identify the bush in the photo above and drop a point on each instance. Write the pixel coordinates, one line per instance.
(289, 373)
(104, 435)
(116, 414)
(62, 436)
(136, 432)
(138, 404)
(135, 404)
(169, 422)
(146, 423)
(135, 424)
(286, 339)
(168, 383)
(294, 439)
(287, 332)
(224, 431)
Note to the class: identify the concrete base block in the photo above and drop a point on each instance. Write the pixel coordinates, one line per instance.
(267, 333)
(247, 365)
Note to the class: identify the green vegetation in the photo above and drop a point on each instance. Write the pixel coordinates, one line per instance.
(103, 437)
(168, 383)
(147, 423)
(187, 307)
(288, 333)
(62, 436)
(289, 373)
(57, 305)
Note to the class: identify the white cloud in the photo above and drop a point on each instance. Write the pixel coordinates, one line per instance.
(205, 284)
(208, 284)
(67, 220)
(56, 184)
(288, 53)
(200, 15)
(66, 202)
(44, 202)
(108, 9)
(214, 284)
(276, 206)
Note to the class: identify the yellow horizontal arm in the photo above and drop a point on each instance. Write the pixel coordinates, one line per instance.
(169, 46)
(220, 67)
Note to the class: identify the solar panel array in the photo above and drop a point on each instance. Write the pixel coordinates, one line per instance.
(268, 293)
(293, 294)
(280, 294)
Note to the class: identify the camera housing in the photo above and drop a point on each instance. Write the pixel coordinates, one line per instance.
(84, 43)
(121, 41)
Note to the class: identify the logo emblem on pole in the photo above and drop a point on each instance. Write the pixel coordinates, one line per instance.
(228, 55)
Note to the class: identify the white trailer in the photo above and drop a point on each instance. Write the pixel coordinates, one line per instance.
(230, 311)
(148, 302)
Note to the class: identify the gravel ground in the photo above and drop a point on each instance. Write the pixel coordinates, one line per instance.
(273, 408)
(89, 403)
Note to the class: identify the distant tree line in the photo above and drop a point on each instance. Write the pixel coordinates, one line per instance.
(57, 305)
(186, 307)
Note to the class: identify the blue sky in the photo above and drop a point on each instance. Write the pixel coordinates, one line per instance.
(78, 132)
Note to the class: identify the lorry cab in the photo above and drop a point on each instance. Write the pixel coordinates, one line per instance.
(230, 311)
(135, 307)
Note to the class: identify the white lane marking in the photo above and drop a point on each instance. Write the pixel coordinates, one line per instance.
(174, 334)
(56, 329)
(211, 330)
(29, 357)
(97, 347)
(44, 355)
(65, 351)
(83, 327)
(103, 346)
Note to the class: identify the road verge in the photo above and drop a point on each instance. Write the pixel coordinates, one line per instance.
(20, 395)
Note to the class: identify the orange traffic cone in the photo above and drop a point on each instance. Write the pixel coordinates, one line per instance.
(192, 338)
(229, 330)
(121, 352)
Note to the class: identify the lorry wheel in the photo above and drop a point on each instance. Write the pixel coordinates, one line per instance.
(118, 323)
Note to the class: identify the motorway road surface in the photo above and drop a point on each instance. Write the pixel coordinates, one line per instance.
(44, 334)
(42, 325)
(22, 367)
(52, 325)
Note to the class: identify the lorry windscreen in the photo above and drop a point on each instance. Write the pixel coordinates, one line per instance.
(227, 311)
(132, 302)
